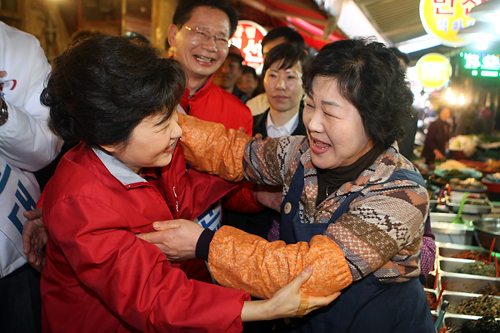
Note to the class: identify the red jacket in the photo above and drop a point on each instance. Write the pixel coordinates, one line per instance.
(212, 103)
(99, 277)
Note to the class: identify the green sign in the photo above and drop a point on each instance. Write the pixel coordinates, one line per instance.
(482, 64)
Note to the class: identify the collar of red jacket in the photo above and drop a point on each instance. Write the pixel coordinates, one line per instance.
(201, 92)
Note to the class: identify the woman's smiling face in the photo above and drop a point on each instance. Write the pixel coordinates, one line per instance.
(334, 126)
(151, 143)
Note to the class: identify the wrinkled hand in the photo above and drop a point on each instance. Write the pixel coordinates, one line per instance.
(294, 302)
(288, 302)
(34, 238)
(176, 238)
(3, 74)
(269, 196)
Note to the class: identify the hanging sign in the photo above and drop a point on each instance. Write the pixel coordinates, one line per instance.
(248, 38)
(481, 64)
(444, 18)
(433, 70)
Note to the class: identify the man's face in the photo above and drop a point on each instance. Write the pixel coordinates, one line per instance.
(247, 83)
(201, 57)
(227, 75)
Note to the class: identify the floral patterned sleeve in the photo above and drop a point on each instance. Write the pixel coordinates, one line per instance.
(273, 161)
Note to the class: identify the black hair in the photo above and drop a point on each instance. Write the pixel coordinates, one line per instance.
(401, 55)
(185, 9)
(291, 36)
(289, 54)
(82, 34)
(371, 78)
(137, 37)
(245, 69)
(101, 88)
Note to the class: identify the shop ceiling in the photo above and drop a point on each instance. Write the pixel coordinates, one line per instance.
(396, 21)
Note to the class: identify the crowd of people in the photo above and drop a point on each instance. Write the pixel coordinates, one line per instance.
(194, 195)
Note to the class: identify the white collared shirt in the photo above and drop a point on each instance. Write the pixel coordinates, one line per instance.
(285, 130)
(119, 170)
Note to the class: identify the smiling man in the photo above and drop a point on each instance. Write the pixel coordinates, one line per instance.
(199, 39)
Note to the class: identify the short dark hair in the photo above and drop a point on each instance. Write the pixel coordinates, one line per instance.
(137, 37)
(288, 53)
(185, 8)
(371, 78)
(103, 87)
(401, 55)
(82, 34)
(291, 36)
(249, 70)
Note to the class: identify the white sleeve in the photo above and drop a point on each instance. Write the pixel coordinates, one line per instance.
(26, 142)
(258, 104)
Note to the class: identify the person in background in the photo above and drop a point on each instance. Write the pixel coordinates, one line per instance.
(98, 276)
(467, 122)
(274, 37)
(437, 137)
(407, 143)
(352, 204)
(26, 145)
(229, 72)
(283, 70)
(485, 119)
(199, 39)
(248, 81)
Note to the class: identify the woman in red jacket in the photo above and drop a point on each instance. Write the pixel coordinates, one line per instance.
(118, 99)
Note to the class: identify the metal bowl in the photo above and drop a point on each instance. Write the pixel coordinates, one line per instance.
(485, 230)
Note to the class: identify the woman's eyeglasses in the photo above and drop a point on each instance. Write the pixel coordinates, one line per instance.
(201, 35)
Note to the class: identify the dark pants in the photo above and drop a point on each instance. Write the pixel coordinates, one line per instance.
(20, 301)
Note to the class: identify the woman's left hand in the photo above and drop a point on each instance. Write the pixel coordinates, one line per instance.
(288, 302)
(176, 238)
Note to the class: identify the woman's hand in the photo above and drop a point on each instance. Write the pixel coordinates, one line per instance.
(176, 238)
(289, 301)
(34, 238)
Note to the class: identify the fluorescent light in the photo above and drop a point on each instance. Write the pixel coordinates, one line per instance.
(417, 44)
(489, 73)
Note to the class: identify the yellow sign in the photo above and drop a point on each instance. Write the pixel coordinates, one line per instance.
(444, 18)
(433, 70)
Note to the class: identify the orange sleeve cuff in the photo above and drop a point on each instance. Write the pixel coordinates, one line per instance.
(209, 147)
(250, 263)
